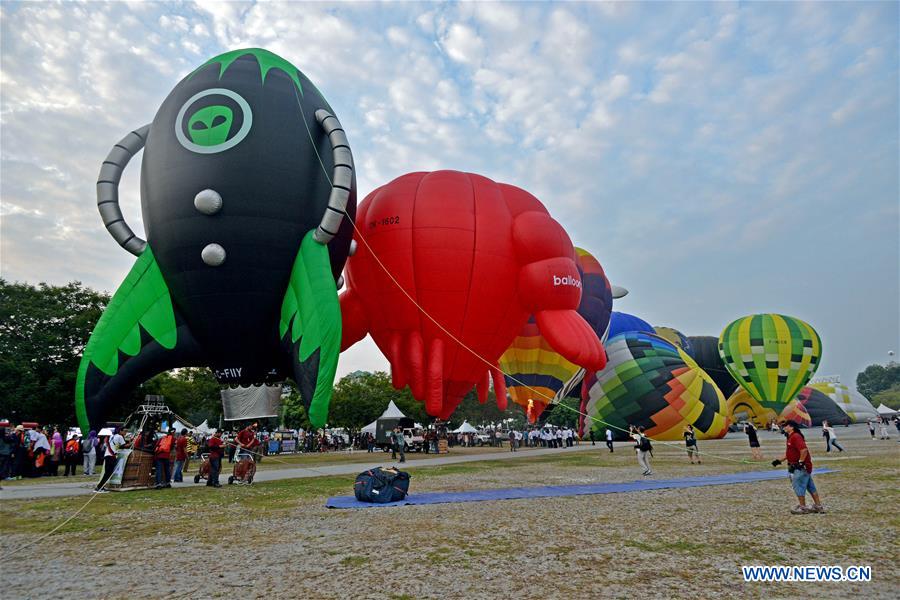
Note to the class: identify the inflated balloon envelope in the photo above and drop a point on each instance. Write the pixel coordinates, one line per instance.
(476, 256)
(246, 179)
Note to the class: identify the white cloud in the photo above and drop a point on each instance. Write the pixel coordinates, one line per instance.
(462, 44)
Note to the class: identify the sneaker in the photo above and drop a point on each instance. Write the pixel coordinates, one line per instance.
(819, 508)
(101, 491)
(801, 510)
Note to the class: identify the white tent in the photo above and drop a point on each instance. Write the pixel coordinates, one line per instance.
(391, 412)
(886, 411)
(465, 428)
(204, 428)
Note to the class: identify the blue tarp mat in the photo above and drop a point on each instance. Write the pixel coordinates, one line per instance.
(640, 485)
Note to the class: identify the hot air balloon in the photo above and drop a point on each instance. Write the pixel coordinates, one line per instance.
(536, 372)
(620, 323)
(676, 338)
(741, 406)
(649, 382)
(857, 407)
(771, 356)
(246, 178)
(478, 257)
(811, 407)
(705, 350)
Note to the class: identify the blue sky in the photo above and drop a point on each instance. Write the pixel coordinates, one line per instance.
(719, 159)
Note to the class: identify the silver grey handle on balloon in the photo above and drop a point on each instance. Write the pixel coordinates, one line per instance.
(108, 190)
(341, 177)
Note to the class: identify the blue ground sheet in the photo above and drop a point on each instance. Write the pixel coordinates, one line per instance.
(551, 491)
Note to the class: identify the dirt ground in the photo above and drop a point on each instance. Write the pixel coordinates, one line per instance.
(277, 539)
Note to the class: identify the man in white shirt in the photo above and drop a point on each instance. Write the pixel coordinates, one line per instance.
(609, 439)
(40, 446)
(111, 442)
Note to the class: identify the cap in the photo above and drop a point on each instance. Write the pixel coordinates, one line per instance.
(105, 431)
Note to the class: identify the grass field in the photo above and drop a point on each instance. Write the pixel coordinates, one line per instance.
(274, 539)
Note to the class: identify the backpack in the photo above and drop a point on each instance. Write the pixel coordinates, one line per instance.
(380, 485)
(645, 445)
(88, 445)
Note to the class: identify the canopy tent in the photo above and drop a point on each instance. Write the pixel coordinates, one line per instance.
(886, 411)
(465, 428)
(391, 412)
(204, 428)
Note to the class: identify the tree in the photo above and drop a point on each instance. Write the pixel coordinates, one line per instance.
(190, 392)
(359, 398)
(565, 416)
(43, 331)
(293, 411)
(483, 414)
(889, 397)
(878, 378)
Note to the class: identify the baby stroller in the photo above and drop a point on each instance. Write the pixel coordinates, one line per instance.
(203, 471)
(244, 469)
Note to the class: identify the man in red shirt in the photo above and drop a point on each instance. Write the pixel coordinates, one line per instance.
(162, 455)
(800, 469)
(216, 452)
(180, 455)
(247, 441)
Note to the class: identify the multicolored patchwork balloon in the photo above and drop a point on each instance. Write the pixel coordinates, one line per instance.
(854, 404)
(649, 382)
(811, 407)
(675, 337)
(771, 356)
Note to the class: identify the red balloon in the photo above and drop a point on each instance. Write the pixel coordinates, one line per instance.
(479, 257)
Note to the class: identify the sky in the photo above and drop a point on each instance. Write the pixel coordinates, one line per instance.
(720, 159)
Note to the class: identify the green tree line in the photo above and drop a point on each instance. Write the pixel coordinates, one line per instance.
(43, 332)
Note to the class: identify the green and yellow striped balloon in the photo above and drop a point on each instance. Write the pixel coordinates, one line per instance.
(771, 356)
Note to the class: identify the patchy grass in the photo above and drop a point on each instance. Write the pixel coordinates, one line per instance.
(664, 543)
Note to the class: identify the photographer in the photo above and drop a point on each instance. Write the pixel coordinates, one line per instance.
(800, 468)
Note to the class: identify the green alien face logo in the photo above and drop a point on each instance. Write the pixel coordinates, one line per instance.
(208, 129)
(210, 126)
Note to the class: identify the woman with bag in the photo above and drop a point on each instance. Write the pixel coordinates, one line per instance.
(71, 456)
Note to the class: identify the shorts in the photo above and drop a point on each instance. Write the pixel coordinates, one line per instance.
(754, 444)
(692, 450)
(802, 483)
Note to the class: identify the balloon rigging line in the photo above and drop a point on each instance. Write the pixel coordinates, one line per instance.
(492, 366)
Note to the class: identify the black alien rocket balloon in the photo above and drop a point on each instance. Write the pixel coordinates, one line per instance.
(248, 194)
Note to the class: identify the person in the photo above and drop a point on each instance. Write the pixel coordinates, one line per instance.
(800, 469)
(512, 440)
(830, 437)
(884, 429)
(871, 424)
(88, 452)
(609, 439)
(216, 453)
(560, 442)
(71, 456)
(162, 457)
(20, 453)
(753, 438)
(111, 442)
(399, 444)
(370, 443)
(591, 435)
(247, 441)
(180, 456)
(644, 449)
(690, 442)
(40, 449)
(7, 450)
(56, 452)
